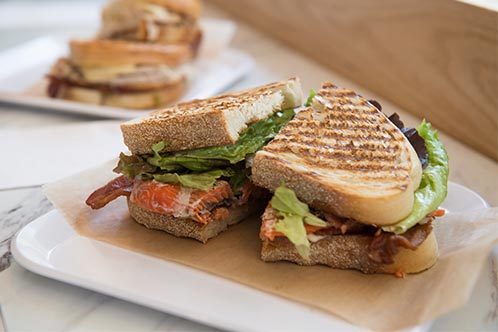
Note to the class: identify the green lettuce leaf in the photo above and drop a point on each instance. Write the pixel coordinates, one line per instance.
(285, 200)
(309, 101)
(193, 167)
(173, 163)
(294, 214)
(203, 181)
(313, 220)
(250, 141)
(133, 166)
(434, 184)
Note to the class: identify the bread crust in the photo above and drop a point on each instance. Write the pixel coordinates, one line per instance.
(189, 8)
(102, 53)
(183, 227)
(351, 252)
(141, 100)
(269, 171)
(216, 121)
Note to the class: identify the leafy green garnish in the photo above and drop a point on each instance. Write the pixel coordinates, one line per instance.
(309, 101)
(202, 181)
(294, 214)
(173, 163)
(251, 140)
(133, 166)
(434, 184)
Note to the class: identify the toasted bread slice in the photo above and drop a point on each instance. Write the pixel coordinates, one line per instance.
(140, 100)
(345, 157)
(215, 121)
(184, 227)
(123, 11)
(149, 22)
(109, 53)
(351, 252)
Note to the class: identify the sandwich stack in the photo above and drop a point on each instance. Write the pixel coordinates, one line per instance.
(354, 189)
(189, 169)
(138, 59)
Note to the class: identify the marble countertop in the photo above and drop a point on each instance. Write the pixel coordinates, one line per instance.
(54, 306)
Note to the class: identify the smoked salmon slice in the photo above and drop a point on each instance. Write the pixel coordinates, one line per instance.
(174, 199)
(179, 201)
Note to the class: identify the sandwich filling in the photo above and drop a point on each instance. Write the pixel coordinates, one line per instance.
(198, 184)
(288, 217)
(119, 79)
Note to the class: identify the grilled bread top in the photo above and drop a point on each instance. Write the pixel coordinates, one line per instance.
(343, 156)
(215, 121)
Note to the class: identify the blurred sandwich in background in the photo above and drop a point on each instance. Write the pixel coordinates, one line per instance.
(137, 61)
(120, 74)
(157, 21)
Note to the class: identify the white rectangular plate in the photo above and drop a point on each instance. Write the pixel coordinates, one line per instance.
(50, 247)
(24, 67)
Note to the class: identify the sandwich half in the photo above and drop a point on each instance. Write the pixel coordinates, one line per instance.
(189, 167)
(120, 74)
(351, 191)
(155, 21)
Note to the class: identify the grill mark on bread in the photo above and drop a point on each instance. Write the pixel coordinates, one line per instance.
(344, 157)
(342, 131)
(343, 135)
(379, 177)
(369, 150)
(223, 102)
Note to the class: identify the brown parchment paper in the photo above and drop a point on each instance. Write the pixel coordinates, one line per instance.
(372, 301)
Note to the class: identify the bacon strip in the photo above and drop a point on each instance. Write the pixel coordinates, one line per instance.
(385, 246)
(120, 186)
(176, 200)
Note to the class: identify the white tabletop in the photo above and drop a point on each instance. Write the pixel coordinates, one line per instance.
(33, 303)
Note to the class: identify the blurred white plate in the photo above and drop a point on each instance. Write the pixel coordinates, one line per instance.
(24, 66)
(50, 247)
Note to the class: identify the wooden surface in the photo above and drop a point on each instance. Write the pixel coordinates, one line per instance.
(436, 59)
